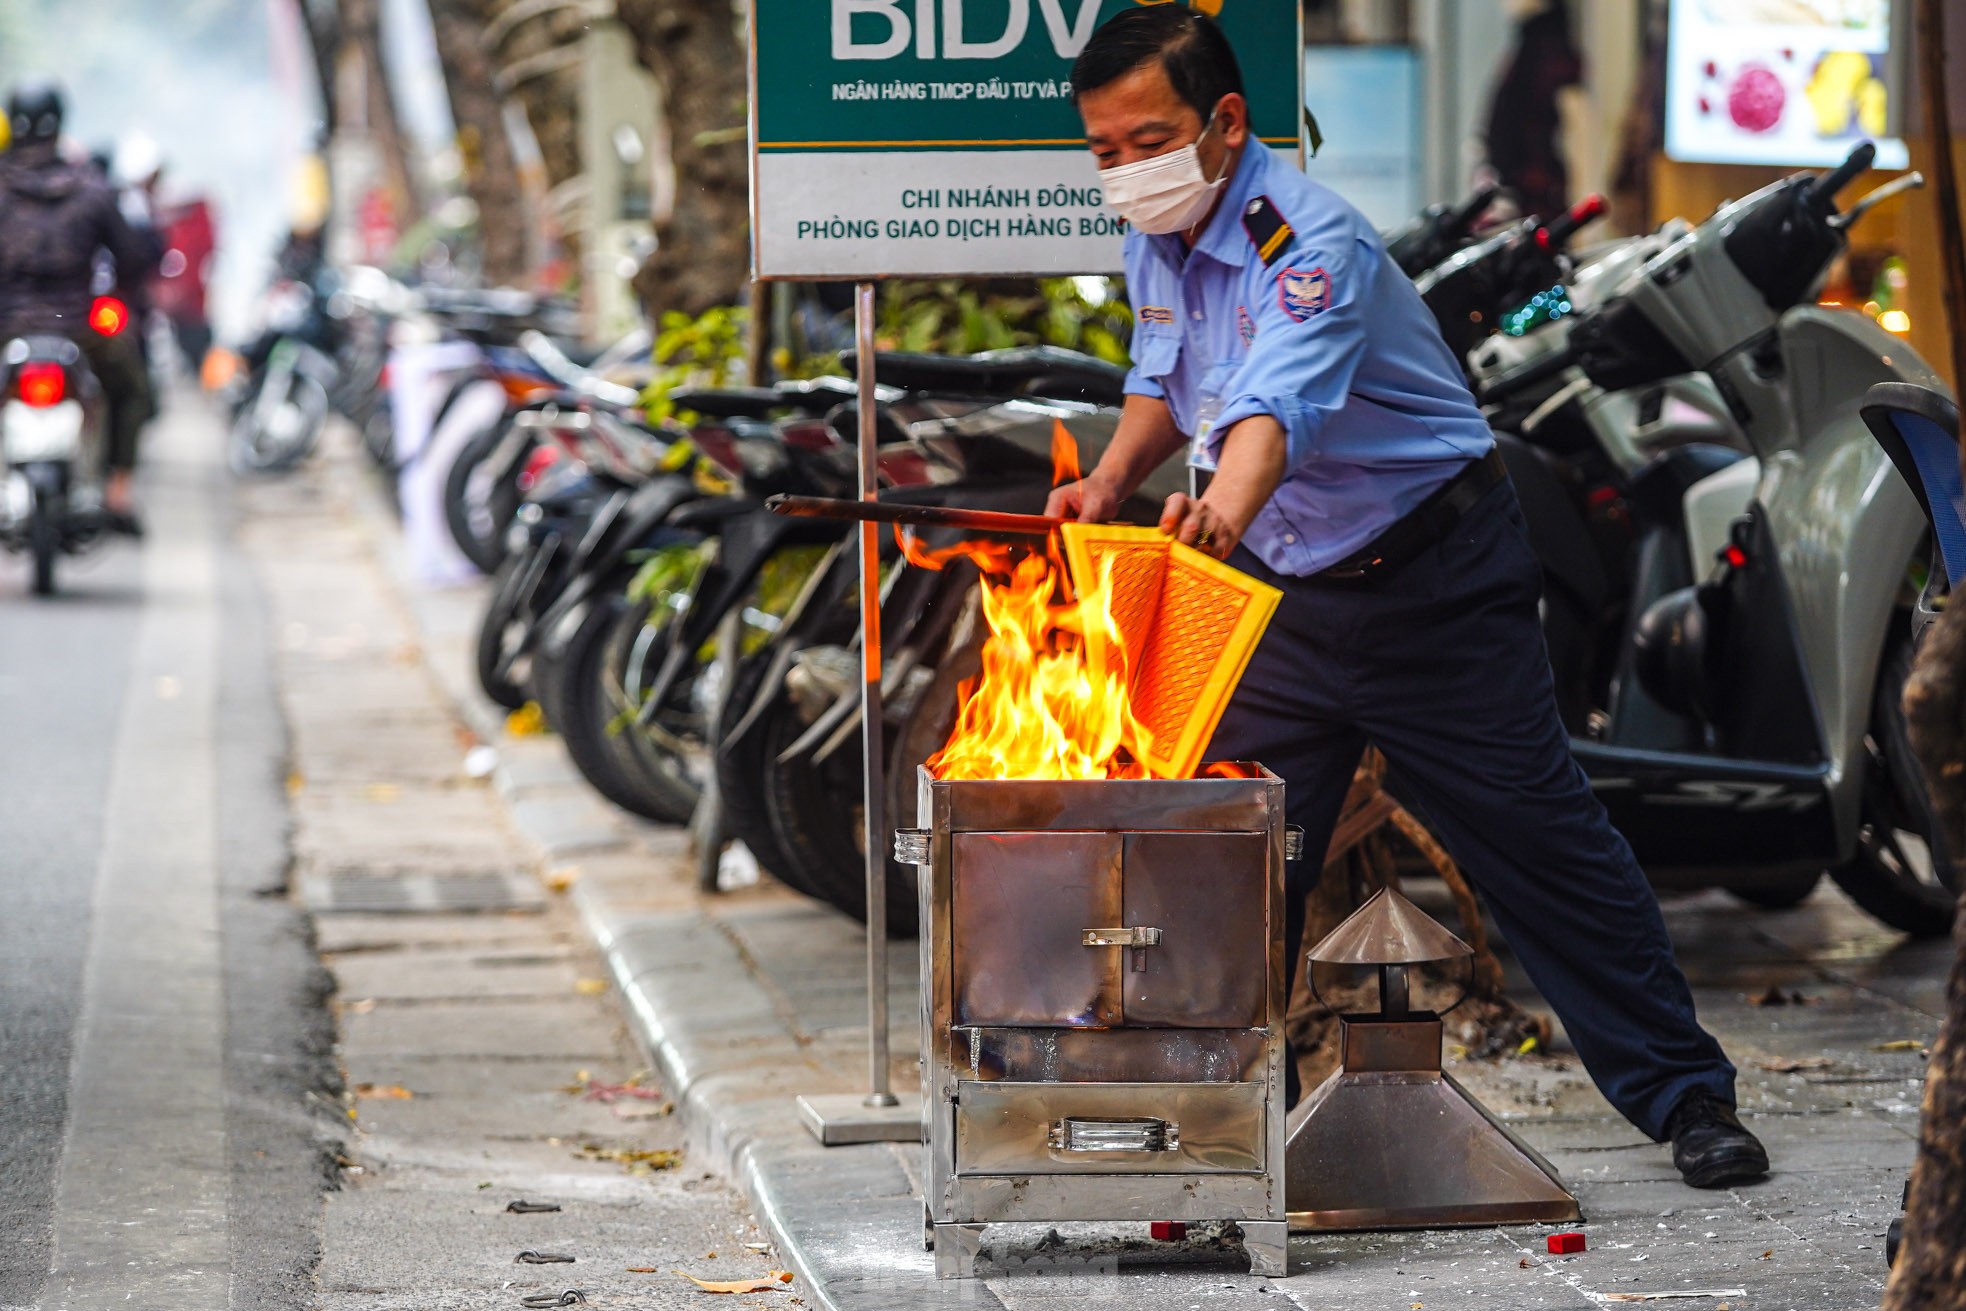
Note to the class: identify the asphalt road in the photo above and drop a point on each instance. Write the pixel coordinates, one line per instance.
(162, 1037)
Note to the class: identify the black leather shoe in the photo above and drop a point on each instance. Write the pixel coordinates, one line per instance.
(122, 521)
(1709, 1145)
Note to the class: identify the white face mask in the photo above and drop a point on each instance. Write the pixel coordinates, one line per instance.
(1168, 193)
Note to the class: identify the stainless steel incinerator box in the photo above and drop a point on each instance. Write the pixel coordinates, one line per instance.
(1103, 1004)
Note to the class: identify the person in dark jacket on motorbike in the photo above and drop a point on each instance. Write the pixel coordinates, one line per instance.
(55, 217)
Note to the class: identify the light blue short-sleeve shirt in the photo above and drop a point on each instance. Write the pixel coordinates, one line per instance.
(1327, 337)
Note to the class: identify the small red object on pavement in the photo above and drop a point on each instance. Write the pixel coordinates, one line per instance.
(1565, 1244)
(1170, 1231)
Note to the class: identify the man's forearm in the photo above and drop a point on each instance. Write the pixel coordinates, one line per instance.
(1254, 459)
(1146, 437)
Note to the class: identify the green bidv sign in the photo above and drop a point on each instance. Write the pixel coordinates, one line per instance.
(936, 137)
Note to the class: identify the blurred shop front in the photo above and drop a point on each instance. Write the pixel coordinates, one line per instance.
(1668, 107)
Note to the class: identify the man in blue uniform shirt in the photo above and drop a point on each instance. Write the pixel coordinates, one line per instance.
(1281, 348)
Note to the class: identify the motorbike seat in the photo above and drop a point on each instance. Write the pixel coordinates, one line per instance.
(1918, 427)
(1043, 371)
(1658, 490)
(756, 402)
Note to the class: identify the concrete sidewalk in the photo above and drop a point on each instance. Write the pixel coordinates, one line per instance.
(751, 998)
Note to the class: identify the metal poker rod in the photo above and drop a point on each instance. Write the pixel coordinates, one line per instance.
(924, 516)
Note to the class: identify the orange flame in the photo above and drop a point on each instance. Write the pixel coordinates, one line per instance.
(1043, 708)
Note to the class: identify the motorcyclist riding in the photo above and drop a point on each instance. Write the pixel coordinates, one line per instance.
(54, 218)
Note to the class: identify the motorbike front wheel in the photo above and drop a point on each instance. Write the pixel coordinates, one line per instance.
(44, 542)
(479, 502)
(272, 436)
(495, 633)
(1902, 872)
(586, 702)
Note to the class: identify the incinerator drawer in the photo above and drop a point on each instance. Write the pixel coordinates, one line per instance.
(1110, 1128)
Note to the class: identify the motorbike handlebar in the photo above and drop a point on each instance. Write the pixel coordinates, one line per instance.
(1462, 217)
(1556, 234)
(1823, 192)
(1517, 380)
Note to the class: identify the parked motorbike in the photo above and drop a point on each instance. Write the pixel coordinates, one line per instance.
(283, 405)
(51, 433)
(1744, 724)
(481, 487)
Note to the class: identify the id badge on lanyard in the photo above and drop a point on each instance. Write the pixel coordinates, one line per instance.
(1206, 413)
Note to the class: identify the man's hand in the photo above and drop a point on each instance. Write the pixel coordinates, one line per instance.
(1089, 500)
(1251, 466)
(1207, 528)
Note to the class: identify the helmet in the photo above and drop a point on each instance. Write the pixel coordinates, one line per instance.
(34, 111)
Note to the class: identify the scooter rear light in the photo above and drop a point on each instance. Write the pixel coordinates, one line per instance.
(109, 316)
(41, 384)
(541, 459)
(1734, 557)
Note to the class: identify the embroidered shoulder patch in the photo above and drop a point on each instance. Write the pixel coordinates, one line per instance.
(1245, 325)
(1304, 292)
(1266, 228)
(1156, 314)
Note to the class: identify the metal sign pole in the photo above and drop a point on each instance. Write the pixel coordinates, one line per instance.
(873, 765)
(879, 1116)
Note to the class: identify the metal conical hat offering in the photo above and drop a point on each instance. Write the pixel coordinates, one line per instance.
(1389, 930)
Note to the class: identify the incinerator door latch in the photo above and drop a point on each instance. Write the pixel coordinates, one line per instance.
(1136, 939)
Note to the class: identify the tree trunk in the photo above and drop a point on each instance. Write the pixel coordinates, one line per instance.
(491, 174)
(1931, 1267)
(320, 21)
(361, 27)
(536, 48)
(702, 258)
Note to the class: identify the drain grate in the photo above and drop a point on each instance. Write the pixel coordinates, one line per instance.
(365, 892)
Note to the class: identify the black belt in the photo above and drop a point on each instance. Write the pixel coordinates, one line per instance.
(1422, 527)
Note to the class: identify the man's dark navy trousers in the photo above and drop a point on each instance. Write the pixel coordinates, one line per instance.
(1442, 666)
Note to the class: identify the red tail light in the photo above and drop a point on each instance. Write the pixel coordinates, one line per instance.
(42, 384)
(109, 316)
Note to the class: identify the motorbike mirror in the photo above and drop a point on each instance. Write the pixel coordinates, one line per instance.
(1824, 190)
(1895, 187)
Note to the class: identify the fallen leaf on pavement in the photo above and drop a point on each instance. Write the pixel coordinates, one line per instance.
(770, 1283)
(1901, 1045)
(643, 1270)
(1776, 997)
(597, 1091)
(590, 987)
(1674, 1294)
(394, 1092)
(295, 783)
(1797, 1065)
(361, 1007)
(527, 721)
(645, 1161)
(561, 879)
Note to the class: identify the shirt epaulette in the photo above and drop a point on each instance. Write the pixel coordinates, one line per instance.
(1266, 228)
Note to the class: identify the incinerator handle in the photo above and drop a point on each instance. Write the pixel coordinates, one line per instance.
(1128, 1134)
